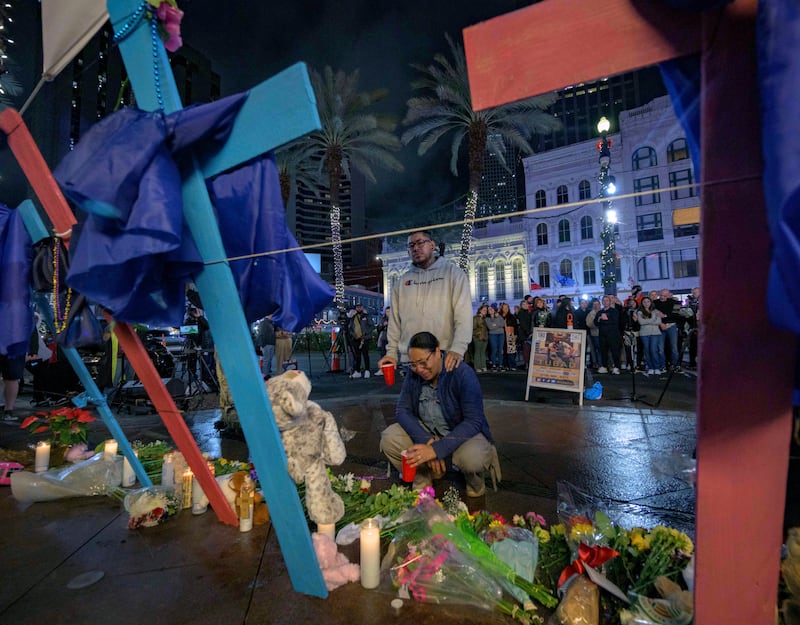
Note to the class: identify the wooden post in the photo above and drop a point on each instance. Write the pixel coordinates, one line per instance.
(745, 373)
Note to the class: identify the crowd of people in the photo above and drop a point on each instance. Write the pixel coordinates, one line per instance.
(647, 332)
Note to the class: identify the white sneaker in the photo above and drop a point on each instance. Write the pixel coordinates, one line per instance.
(379, 372)
(615, 371)
(356, 374)
(651, 372)
(366, 374)
(602, 370)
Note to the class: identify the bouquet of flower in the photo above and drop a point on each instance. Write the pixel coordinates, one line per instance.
(361, 503)
(629, 561)
(151, 506)
(437, 559)
(151, 455)
(65, 426)
(223, 466)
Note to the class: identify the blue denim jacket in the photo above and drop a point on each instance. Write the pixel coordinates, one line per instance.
(461, 401)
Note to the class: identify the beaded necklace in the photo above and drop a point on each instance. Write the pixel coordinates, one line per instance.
(144, 11)
(59, 319)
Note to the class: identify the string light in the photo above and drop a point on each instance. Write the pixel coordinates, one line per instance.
(336, 241)
(9, 85)
(466, 233)
(608, 260)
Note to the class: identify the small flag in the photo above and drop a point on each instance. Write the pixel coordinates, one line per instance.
(535, 286)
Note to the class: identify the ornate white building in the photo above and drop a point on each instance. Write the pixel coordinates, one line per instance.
(556, 245)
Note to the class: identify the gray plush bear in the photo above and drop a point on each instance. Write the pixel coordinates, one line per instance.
(311, 440)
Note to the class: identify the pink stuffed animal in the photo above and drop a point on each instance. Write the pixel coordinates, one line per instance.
(337, 570)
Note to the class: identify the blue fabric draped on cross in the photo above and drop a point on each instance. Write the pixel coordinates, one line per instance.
(778, 37)
(16, 313)
(133, 253)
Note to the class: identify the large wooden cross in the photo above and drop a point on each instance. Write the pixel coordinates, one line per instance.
(745, 370)
(275, 113)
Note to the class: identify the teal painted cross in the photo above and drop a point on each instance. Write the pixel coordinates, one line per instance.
(275, 112)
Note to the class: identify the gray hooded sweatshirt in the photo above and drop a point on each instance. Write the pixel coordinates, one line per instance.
(435, 300)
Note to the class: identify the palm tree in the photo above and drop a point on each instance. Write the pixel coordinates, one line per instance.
(351, 137)
(296, 165)
(449, 107)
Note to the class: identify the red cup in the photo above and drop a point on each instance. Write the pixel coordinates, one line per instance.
(408, 472)
(388, 374)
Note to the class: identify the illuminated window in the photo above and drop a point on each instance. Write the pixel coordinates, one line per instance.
(516, 278)
(678, 150)
(500, 280)
(483, 280)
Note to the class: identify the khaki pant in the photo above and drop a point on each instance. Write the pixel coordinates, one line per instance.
(472, 458)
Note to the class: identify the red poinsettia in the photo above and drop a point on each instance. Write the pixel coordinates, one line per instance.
(67, 426)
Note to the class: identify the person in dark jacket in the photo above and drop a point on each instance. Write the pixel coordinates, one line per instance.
(562, 317)
(440, 420)
(670, 308)
(607, 322)
(525, 319)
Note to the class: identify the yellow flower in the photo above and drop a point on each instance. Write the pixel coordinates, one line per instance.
(580, 531)
(639, 540)
(557, 530)
(541, 534)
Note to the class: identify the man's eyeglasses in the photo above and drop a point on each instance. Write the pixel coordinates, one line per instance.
(414, 244)
(423, 363)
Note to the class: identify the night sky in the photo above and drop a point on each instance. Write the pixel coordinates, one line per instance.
(380, 39)
(249, 42)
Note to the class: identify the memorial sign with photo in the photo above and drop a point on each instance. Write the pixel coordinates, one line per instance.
(558, 359)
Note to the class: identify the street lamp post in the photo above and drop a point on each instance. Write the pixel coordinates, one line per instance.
(608, 261)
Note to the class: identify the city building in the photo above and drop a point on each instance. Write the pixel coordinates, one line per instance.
(308, 217)
(93, 86)
(497, 193)
(555, 248)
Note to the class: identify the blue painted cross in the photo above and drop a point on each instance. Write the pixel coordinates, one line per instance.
(275, 112)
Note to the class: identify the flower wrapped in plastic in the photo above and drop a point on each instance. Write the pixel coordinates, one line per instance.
(616, 559)
(93, 476)
(439, 560)
(148, 507)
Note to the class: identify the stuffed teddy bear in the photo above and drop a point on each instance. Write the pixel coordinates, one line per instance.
(231, 484)
(336, 568)
(311, 441)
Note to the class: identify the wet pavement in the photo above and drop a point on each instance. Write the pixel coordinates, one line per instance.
(196, 570)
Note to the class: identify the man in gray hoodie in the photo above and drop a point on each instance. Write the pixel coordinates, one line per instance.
(433, 296)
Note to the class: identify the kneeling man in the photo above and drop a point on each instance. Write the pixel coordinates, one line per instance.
(440, 420)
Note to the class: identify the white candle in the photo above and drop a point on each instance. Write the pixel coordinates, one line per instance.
(110, 449)
(327, 529)
(188, 478)
(370, 554)
(128, 476)
(168, 471)
(199, 499)
(42, 457)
